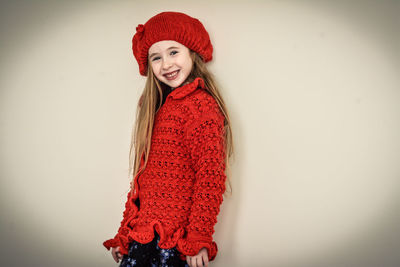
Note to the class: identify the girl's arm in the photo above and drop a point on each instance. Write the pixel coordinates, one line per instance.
(116, 241)
(207, 147)
(121, 238)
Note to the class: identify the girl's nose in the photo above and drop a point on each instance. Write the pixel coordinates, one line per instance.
(167, 64)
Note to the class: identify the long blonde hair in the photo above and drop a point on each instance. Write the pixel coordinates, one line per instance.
(151, 101)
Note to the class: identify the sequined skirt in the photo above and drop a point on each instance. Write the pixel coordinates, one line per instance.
(151, 255)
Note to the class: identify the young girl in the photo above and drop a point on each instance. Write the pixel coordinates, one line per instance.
(181, 144)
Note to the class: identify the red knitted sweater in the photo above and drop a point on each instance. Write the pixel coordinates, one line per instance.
(180, 190)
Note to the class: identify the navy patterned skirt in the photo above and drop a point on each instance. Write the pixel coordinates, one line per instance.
(151, 255)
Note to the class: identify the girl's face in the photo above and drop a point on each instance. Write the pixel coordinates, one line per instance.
(170, 62)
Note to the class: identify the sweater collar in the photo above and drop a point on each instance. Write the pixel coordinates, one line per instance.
(186, 89)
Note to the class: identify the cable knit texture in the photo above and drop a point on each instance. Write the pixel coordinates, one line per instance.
(181, 189)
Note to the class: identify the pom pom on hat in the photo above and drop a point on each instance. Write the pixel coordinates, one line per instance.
(174, 26)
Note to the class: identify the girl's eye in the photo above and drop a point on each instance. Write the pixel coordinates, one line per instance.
(173, 52)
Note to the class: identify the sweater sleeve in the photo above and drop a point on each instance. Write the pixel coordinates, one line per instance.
(207, 148)
(121, 234)
(131, 208)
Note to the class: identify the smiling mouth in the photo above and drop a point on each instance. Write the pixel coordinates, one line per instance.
(171, 75)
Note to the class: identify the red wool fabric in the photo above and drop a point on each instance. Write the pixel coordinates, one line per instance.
(182, 186)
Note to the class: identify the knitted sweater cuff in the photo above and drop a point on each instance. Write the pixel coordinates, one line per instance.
(192, 244)
(118, 241)
(111, 243)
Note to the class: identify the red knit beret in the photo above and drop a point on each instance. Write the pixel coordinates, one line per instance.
(174, 26)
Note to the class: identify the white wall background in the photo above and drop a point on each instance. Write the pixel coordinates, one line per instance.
(313, 91)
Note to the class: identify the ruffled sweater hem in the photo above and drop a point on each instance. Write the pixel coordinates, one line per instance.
(188, 245)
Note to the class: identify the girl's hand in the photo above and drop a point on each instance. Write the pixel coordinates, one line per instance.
(116, 254)
(199, 259)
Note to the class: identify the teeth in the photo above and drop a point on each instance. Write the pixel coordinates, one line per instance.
(172, 74)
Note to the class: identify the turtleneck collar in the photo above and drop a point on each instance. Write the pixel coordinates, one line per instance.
(184, 90)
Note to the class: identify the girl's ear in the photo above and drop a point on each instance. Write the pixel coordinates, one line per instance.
(192, 55)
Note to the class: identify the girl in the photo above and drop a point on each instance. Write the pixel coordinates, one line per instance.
(181, 144)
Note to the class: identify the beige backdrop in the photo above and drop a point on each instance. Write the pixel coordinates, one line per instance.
(313, 91)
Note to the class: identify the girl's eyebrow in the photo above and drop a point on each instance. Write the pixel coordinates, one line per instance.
(172, 47)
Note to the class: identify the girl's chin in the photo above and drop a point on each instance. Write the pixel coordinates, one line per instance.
(174, 85)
